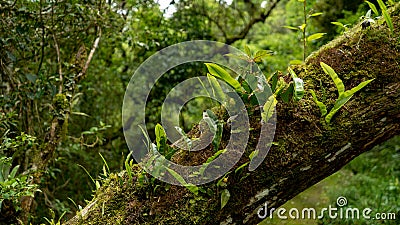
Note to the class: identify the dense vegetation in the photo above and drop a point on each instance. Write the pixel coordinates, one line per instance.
(65, 65)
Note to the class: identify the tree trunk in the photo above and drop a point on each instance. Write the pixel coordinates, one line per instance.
(308, 149)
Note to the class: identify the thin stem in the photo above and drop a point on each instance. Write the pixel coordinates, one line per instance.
(304, 31)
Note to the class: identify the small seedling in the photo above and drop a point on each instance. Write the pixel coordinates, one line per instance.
(344, 96)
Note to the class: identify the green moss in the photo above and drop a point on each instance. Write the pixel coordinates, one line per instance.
(60, 102)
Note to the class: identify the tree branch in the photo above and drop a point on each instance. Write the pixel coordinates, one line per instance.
(308, 150)
(89, 59)
(242, 34)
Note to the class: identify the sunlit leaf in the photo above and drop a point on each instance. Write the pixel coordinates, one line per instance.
(292, 28)
(338, 82)
(247, 50)
(316, 14)
(298, 91)
(315, 36)
(161, 138)
(269, 108)
(261, 54)
(373, 7)
(386, 15)
(241, 167)
(302, 27)
(295, 62)
(338, 24)
(322, 106)
(13, 172)
(80, 114)
(221, 73)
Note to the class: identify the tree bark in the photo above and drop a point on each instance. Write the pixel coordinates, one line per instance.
(308, 149)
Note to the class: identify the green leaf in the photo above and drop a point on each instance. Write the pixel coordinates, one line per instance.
(322, 106)
(373, 8)
(105, 164)
(97, 185)
(261, 54)
(269, 108)
(80, 114)
(11, 56)
(241, 167)
(210, 120)
(146, 136)
(281, 85)
(225, 195)
(161, 138)
(316, 14)
(386, 15)
(298, 86)
(298, 89)
(286, 96)
(239, 56)
(336, 107)
(302, 27)
(217, 91)
(295, 62)
(13, 172)
(338, 24)
(247, 50)
(215, 126)
(338, 82)
(209, 160)
(87, 172)
(368, 14)
(191, 187)
(292, 73)
(344, 98)
(292, 28)
(253, 154)
(31, 77)
(358, 87)
(185, 137)
(221, 73)
(315, 36)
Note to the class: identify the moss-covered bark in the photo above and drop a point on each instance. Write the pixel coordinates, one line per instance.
(308, 150)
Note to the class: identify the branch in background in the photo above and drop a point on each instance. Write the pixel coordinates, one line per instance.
(43, 37)
(242, 34)
(84, 69)
(59, 64)
(53, 137)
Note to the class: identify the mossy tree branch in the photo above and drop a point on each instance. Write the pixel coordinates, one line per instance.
(308, 149)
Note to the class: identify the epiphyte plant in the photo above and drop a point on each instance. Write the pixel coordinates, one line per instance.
(385, 14)
(344, 95)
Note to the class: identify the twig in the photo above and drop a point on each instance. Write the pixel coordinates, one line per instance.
(42, 41)
(59, 64)
(242, 34)
(84, 69)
